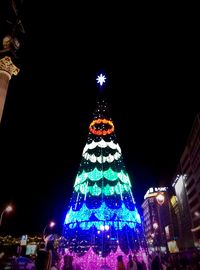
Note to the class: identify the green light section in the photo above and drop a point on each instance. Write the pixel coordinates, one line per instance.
(96, 175)
(107, 190)
(81, 178)
(95, 190)
(110, 174)
(81, 184)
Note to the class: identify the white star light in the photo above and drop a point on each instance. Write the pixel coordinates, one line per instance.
(101, 79)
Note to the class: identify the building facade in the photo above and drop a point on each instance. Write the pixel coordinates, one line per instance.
(157, 218)
(187, 189)
(174, 224)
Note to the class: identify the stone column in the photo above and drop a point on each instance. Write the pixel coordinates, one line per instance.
(7, 69)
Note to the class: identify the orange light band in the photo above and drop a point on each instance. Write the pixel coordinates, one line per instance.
(102, 131)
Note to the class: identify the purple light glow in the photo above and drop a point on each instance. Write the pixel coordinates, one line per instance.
(91, 260)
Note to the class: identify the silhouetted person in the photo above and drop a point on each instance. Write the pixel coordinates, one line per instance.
(156, 263)
(68, 259)
(131, 265)
(43, 258)
(54, 255)
(120, 263)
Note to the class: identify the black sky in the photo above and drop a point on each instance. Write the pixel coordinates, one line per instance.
(150, 58)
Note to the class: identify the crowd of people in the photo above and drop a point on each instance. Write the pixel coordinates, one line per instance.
(156, 261)
(132, 264)
(159, 261)
(47, 257)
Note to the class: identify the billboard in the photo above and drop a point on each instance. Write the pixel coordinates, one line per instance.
(172, 246)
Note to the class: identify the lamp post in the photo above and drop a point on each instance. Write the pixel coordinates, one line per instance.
(8, 209)
(160, 198)
(155, 234)
(50, 225)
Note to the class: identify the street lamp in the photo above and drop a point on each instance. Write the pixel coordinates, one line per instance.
(8, 209)
(155, 225)
(160, 198)
(50, 225)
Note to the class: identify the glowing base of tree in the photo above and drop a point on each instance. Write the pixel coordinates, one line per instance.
(91, 260)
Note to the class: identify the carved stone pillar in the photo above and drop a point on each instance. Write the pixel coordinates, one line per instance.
(7, 69)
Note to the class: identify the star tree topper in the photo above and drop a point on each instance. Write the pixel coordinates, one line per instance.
(101, 79)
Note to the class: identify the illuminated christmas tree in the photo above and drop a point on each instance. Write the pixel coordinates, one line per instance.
(102, 221)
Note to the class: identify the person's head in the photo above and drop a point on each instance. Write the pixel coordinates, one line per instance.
(7, 42)
(42, 245)
(130, 257)
(50, 245)
(120, 258)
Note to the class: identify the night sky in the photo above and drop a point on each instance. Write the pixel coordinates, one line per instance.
(150, 61)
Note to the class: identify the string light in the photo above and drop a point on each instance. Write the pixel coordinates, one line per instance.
(97, 129)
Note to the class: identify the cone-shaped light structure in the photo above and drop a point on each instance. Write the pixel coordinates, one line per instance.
(102, 218)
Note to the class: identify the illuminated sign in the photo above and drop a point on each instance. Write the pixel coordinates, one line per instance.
(172, 246)
(23, 240)
(181, 177)
(153, 192)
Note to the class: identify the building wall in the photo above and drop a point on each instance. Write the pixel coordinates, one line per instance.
(187, 189)
(155, 218)
(180, 214)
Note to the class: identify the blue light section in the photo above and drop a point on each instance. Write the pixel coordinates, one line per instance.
(122, 216)
(117, 225)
